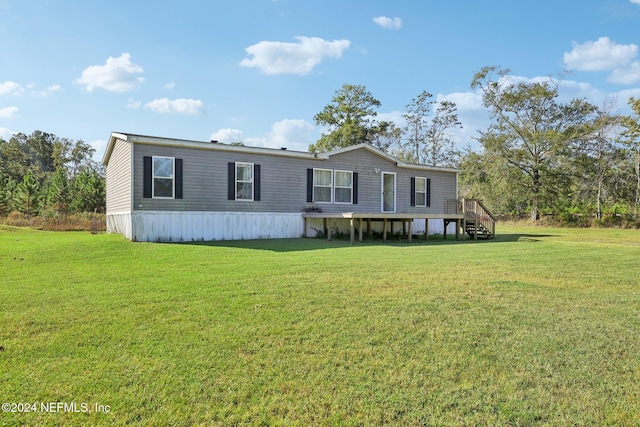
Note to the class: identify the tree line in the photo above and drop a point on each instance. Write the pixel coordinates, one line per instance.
(539, 155)
(42, 174)
(542, 155)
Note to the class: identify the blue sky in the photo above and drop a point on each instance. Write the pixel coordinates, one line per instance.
(257, 71)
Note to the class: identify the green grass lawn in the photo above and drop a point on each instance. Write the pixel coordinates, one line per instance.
(540, 326)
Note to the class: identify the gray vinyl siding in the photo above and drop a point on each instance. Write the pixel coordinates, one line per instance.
(118, 177)
(284, 181)
(443, 183)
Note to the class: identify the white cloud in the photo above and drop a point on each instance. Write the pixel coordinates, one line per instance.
(465, 101)
(117, 75)
(10, 88)
(170, 85)
(624, 95)
(133, 104)
(293, 134)
(48, 91)
(635, 1)
(9, 112)
(16, 89)
(606, 55)
(228, 135)
(6, 134)
(471, 113)
(603, 54)
(293, 58)
(393, 116)
(192, 107)
(626, 75)
(388, 23)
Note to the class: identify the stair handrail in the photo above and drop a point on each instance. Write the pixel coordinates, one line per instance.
(473, 211)
(476, 212)
(487, 211)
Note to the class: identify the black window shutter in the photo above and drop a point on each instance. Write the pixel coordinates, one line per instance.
(428, 192)
(231, 184)
(413, 191)
(309, 185)
(256, 183)
(355, 188)
(178, 178)
(147, 177)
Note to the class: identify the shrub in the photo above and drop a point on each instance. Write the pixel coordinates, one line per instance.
(17, 219)
(52, 221)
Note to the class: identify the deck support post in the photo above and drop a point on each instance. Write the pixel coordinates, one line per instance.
(475, 221)
(464, 217)
(351, 230)
(426, 229)
(388, 220)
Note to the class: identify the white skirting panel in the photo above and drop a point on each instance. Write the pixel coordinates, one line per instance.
(436, 226)
(158, 226)
(120, 223)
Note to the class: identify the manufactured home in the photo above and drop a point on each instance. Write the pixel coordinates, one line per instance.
(172, 190)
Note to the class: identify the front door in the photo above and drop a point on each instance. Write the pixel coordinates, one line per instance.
(388, 192)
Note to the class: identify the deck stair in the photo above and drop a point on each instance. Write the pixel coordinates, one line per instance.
(481, 230)
(479, 222)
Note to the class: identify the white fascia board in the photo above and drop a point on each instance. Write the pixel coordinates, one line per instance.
(200, 145)
(427, 168)
(110, 145)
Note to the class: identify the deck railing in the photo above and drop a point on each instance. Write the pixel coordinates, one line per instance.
(475, 212)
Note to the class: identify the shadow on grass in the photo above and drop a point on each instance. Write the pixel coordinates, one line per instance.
(310, 244)
(519, 237)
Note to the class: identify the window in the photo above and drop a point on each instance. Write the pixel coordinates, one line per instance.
(421, 191)
(343, 187)
(163, 177)
(322, 185)
(244, 181)
(327, 186)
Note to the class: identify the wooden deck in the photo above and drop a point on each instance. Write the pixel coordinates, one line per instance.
(469, 215)
(387, 218)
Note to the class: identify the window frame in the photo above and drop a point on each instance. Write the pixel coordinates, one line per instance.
(330, 186)
(416, 192)
(336, 187)
(172, 177)
(252, 181)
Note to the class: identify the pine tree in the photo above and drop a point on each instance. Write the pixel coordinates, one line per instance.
(58, 192)
(26, 195)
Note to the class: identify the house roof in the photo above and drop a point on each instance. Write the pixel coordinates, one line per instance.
(389, 157)
(204, 145)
